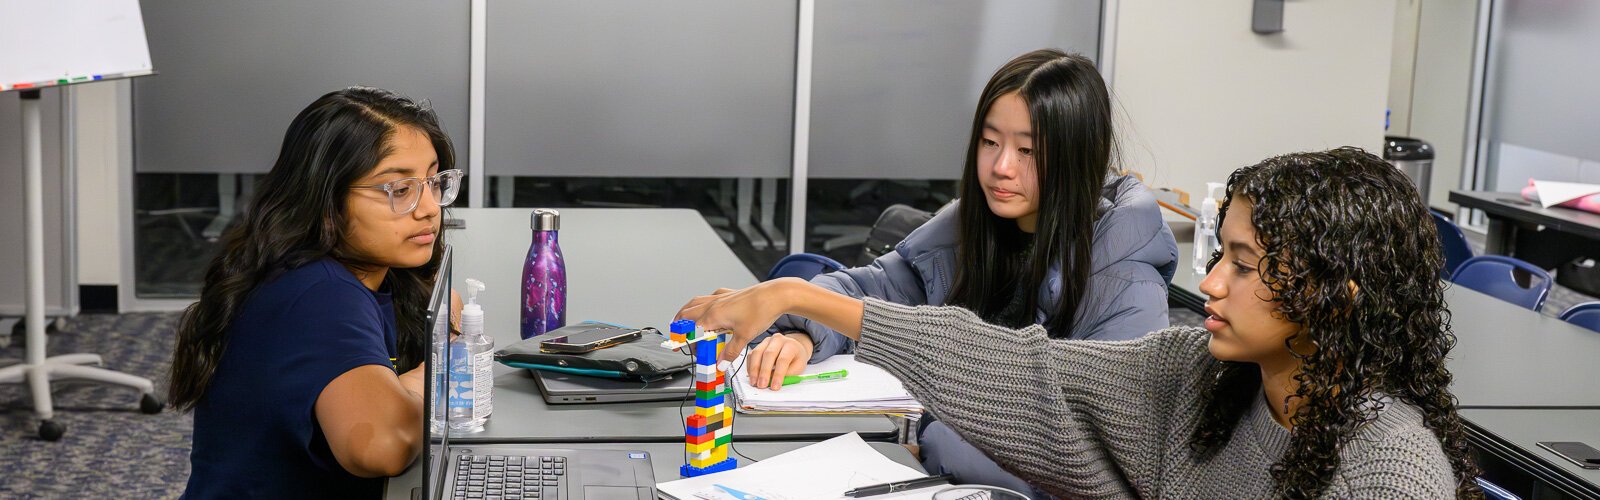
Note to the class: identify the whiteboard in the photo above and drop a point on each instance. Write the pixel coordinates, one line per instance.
(54, 42)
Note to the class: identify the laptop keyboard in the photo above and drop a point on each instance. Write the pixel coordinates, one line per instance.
(509, 477)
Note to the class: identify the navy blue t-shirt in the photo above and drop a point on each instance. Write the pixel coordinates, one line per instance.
(255, 430)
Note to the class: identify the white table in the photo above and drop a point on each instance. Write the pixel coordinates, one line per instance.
(633, 267)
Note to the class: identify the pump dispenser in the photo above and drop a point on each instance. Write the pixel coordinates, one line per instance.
(472, 373)
(1205, 228)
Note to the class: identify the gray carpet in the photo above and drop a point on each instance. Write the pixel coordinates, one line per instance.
(110, 449)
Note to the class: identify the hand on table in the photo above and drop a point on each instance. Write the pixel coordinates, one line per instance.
(780, 355)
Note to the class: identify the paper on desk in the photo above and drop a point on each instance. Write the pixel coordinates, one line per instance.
(821, 471)
(867, 388)
(1552, 193)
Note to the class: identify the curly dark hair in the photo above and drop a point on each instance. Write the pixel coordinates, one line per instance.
(1325, 219)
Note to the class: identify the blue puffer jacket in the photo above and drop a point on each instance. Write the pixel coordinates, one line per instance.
(1133, 258)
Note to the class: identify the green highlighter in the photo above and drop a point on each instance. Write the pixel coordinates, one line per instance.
(820, 377)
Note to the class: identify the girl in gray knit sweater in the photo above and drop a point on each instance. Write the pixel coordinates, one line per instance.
(1322, 374)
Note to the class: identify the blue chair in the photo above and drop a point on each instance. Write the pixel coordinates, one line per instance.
(1456, 250)
(1505, 278)
(1493, 491)
(803, 266)
(1586, 315)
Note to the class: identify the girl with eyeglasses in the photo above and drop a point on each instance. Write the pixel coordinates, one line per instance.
(1320, 372)
(303, 359)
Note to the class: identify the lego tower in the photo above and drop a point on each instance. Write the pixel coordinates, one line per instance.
(710, 429)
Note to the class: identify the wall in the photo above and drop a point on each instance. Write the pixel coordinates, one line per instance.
(1403, 65)
(1202, 95)
(96, 120)
(1440, 90)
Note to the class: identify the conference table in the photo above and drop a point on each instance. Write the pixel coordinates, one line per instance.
(1517, 375)
(665, 459)
(632, 267)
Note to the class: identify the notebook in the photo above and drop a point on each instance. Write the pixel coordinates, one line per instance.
(867, 389)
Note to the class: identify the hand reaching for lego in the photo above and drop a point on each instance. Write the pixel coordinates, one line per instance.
(748, 312)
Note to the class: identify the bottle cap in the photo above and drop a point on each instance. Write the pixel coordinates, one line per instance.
(545, 219)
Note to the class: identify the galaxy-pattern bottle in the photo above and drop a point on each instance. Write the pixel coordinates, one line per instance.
(544, 277)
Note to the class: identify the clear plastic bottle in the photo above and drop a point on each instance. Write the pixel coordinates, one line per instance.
(471, 367)
(1205, 228)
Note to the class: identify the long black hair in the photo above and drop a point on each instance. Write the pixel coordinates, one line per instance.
(1070, 111)
(298, 217)
(1387, 339)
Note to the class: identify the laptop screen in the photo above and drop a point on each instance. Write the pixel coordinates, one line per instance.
(433, 426)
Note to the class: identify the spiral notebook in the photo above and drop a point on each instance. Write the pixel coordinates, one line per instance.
(867, 389)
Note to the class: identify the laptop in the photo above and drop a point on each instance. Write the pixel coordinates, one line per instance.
(510, 471)
(566, 388)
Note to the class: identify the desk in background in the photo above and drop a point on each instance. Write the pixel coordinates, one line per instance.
(666, 457)
(633, 267)
(1512, 219)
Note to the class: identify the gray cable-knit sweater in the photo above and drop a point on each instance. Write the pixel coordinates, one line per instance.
(1112, 419)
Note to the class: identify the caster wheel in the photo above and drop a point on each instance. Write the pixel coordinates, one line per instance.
(150, 404)
(51, 431)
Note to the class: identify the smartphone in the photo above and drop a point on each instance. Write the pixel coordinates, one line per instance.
(587, 341)
(1583, 455)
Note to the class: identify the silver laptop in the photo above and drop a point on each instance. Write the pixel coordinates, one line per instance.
(509, 471)
(566, 388)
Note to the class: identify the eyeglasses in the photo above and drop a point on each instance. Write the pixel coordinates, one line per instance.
(405, 193)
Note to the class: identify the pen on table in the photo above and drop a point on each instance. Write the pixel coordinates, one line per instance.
(820, 377)
(909, 484)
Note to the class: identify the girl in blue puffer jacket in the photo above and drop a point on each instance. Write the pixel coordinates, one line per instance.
(1044, 233)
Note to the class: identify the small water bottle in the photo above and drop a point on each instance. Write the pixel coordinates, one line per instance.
(471, 367)
(544, 277)
(1205, 228)
(436, 369)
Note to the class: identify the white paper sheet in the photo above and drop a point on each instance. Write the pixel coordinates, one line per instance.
(818, 472)
(1552, 193)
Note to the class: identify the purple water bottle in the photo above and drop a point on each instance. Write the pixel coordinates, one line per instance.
(544, 277)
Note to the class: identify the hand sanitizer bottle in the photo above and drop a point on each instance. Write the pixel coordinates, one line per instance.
(471, 367)
(1205, 228)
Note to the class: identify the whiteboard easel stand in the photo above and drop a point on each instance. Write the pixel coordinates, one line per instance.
(36, 368)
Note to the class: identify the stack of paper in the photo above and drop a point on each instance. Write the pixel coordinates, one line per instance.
(818, 472)
(867, 389)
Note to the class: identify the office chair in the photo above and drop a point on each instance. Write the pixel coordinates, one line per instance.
(803, 266)
(1505, 278)
(1586, 315)
(1456, 250)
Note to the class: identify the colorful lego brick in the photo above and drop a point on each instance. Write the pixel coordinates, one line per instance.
(709, 411)
(709, 402)
(679, 330)
(699, 447)
(710, 385)
(727, 414)
(710, 456)
(704, 435)
(723, 440)
(706, 421)
(710, 393)
(707, 370)
(693, 432)
(692, 471)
